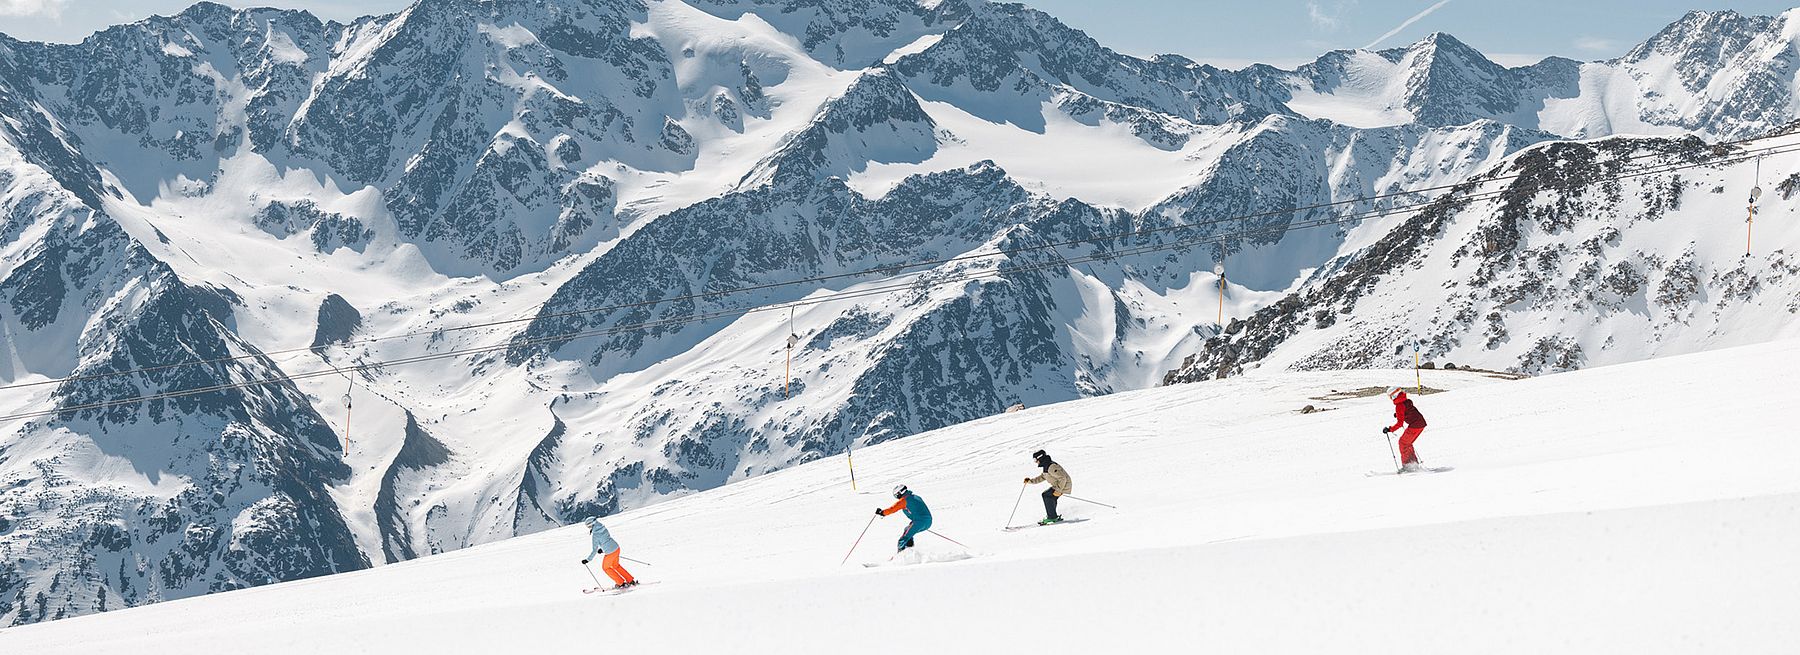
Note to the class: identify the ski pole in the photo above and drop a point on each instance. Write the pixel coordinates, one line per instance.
(858, 540)
(636, 561)
(1391, 453)
(949, 539)
(1087, 501)
(590, 573)
(1015, 510)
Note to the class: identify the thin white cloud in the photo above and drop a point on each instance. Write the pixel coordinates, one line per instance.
(1321, 18)
(1408, 23)
(47, 8)
(1596, 44)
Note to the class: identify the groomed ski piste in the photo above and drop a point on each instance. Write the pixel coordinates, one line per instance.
(1640, 508)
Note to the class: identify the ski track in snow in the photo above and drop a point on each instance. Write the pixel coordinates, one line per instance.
(1588, 512)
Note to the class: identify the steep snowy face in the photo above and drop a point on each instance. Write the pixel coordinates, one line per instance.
(798, 230)
(876, 121)
(1551, 266)
(1016, 59)
(478, 121)
(1283, 162)
(118, 505)
(167, 499)
(161, 101)
(1438, 82)
(494, 131)
(131, 504)
(1720, 72)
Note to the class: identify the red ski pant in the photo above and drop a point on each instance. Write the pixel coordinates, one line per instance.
(1407, 456)
(610, 564)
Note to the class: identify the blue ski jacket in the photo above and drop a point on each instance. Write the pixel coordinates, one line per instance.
(603, 541)
(913, 506)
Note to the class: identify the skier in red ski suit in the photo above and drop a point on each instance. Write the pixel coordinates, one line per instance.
(1405, 414)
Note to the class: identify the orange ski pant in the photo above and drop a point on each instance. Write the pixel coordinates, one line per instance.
(610, 564)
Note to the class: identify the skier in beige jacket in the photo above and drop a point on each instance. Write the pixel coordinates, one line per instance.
(1060, 484)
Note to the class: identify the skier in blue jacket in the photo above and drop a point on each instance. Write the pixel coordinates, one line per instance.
(604, 544)
(914, 506)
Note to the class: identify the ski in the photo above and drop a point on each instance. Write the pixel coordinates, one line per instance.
(938, 560)
(614, 591)
(885, 562)
(1016, 528)
(1440, 469)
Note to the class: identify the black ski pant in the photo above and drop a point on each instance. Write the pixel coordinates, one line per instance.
(1050, 503)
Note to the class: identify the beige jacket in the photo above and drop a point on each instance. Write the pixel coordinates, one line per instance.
(1058, 478)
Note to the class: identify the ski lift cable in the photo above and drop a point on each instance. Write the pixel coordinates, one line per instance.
(822, 299)
(824, 278)
(847, 295)
(949, 280)
(1733, 157)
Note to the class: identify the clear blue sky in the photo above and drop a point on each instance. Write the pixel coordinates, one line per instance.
(1224, 32)
(1288, 32)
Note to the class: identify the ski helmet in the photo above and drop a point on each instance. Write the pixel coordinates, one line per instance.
(591, 521)
(1394, 393)
(1040, 454)
(899, 490)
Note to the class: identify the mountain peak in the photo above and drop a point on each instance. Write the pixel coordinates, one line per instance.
(1441, 39)
(206, 8)
(1438, 45)
(1712, 34)
(1702, 42)
(875, 119)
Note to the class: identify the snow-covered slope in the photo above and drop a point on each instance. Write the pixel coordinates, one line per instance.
(1634, 497)
(539, 179)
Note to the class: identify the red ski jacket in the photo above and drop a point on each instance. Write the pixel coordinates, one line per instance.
(1405, 414)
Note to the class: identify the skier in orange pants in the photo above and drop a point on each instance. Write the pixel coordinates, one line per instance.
(604, 543)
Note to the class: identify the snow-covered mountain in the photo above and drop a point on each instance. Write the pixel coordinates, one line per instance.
(1721, 74)
(1541, 270)
(576, 191)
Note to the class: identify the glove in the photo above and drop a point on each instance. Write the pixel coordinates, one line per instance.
(584, 561)
(1027, 480)
(878, 511)
(1057, 494)
(1387, 430)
